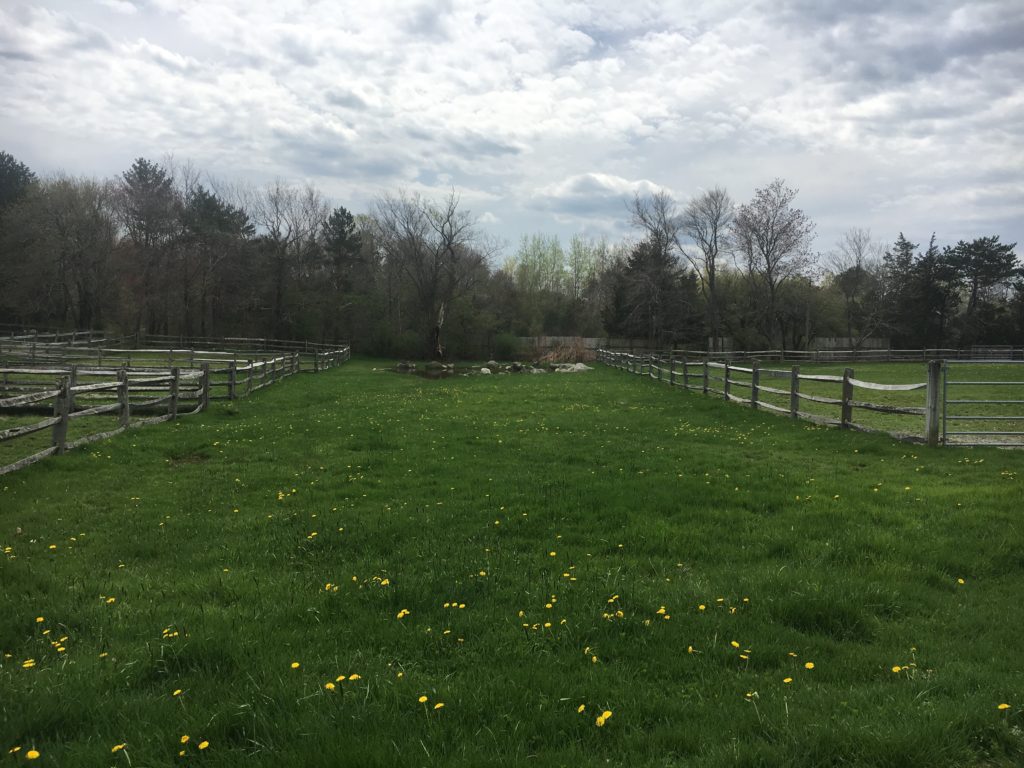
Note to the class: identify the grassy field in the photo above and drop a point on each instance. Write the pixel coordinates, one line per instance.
(362, 568)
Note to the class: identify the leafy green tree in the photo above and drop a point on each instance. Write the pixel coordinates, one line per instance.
(149, 211)
(16, 179)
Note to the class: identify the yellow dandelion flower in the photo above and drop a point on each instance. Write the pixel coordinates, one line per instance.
(402, 613)
(552, 553)
(40, 619)
(787, 680)
(580, 708)
(295, 665)
(439, 705)
(355, 677)
(422, 699)
(896, 669)
(32, 754)
(1003, 706)
(734, 644)
(702, 607)
(118, 747)
(809, 665)
(184, 739)
(204, 744)
(329, 686)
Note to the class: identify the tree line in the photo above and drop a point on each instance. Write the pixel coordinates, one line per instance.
(162, 249)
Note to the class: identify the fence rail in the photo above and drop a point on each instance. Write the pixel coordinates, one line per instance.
(141, 386)
(975, 353)
(966, 409)
(710, 377)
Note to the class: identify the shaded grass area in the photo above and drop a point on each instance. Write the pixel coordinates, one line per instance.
(616, 545)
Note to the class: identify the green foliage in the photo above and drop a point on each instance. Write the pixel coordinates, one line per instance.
(208, 555)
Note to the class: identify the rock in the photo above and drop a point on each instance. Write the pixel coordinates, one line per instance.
(537, 370)
(492, 363)
(485, 370)
(434, 365)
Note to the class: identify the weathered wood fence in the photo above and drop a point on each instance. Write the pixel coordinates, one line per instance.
(711, 377)
(134, 390)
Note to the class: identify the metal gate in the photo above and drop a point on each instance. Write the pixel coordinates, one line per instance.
(983, 406)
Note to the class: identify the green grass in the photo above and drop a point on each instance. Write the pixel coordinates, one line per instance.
(844, 549)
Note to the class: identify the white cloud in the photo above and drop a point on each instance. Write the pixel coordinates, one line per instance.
(547, 113)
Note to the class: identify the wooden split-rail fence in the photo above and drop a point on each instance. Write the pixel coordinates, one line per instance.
(726, 380)
(135, 395)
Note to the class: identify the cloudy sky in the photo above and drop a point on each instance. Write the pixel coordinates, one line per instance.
(545, 115)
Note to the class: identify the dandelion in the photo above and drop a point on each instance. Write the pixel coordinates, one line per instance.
(355, 677)
(176, 692)
(204, 744)
(40, 619)
(422, 699)
(1003, 706)
(329, 686)
(402, 613)
(896, 669)
(118, 747)
(295, 665)
(439, 705)
(958, 581)
(603, 718)
(111, 600)
(28, 663)
(809, 665)
(734, 644)
(702, 607)
(32, 754)
(580, 708)
(552, 553)
(787, 680)
(184, 739)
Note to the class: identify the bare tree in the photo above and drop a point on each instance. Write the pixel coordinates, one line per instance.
(289, 219)
(707, 221)
(438, 250)
(773, 239)
(856, 265)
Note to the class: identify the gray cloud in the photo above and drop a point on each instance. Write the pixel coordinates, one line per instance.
(904, 116)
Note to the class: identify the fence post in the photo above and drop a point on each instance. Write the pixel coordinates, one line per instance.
(172, 406)
(931, 409)
(847, 414)
(204, 401)
(671, 369)
(705, 376)
(125, 413)
(295, 362)
(71, 384)
(755, 382)
(794, 391)
(62, 409)
(725, 383)
(232, 379)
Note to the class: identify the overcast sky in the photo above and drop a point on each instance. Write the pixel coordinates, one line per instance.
(544, 115)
